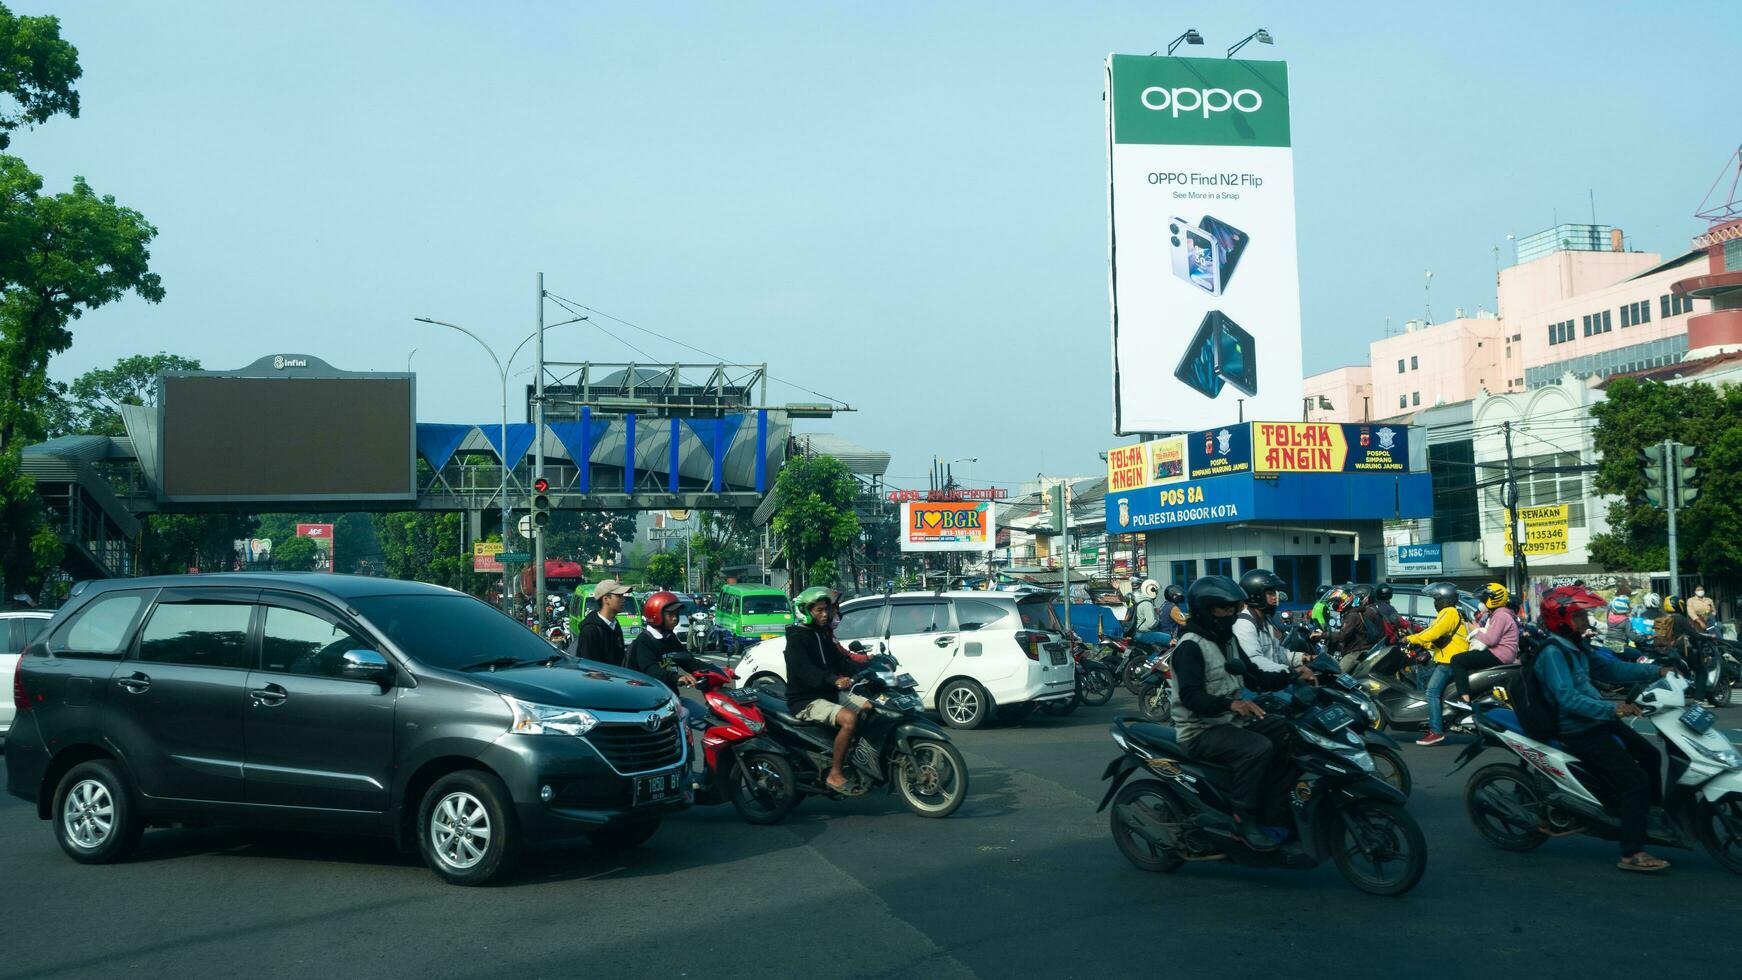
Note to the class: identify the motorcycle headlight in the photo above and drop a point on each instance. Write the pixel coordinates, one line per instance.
(1729, 758)
(1356, 753)
(1373, 685)
(547, 719)
(1370, 711)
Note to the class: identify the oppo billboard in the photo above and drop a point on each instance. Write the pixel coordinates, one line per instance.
(1201, 240)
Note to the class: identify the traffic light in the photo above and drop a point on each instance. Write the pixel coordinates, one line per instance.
(1652, 459)
(1687, 475)
(540, 503)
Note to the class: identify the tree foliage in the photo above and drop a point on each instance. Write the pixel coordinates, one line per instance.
(665, 569)
(587, 536)
(425, 547)
(726, 538)
(1639, 413)
(37, 72)
(814, 513)
(296, 554)
(92, 403)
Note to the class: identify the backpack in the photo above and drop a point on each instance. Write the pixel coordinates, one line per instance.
(1131, 618)
(1536, 713)
(1663, 631)
(1372, 626)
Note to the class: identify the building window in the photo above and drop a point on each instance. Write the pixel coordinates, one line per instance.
(1554, 478)
(1608, 322)
(1456, 509)
(1414, 364)
(1414, 399)
(1248, 563)
(1400, 360)
(1627, 316)
(1663, 305)
(1185, 571)
(1402, 401)
(1219, 566)
(1644, 315)
(1587, 323)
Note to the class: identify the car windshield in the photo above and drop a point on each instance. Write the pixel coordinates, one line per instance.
(764, 605)
(451, 631)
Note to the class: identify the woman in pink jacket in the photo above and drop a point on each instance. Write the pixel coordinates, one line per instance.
(1498, 638)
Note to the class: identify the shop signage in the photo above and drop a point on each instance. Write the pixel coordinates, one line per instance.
(1377, 448)
(954, 493)
(1329, 447)
(1147, 464)
(928, 525)
(1219, 452)
(1417, 559)
(484, 556)
(1545, 529)
(1196, 502)
(1204, 277)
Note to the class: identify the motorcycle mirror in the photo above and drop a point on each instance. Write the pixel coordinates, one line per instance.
(856, 647)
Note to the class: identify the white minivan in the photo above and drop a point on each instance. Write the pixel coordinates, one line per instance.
(971, 652)
(17, 629)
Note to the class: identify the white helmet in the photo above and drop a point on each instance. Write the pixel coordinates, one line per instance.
(1150, 589)
(1652, 601)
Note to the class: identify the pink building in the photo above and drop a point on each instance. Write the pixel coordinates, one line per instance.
(1347, 390)
(1433, 365)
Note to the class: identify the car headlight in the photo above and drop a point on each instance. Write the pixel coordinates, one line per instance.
(531, 718)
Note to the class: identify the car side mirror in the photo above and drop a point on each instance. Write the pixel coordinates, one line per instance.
(365, 665)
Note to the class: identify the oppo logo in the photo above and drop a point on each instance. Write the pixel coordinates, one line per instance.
(1200, 100)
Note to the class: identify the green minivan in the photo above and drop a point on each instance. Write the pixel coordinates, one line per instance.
(745, 615)
(629, 618)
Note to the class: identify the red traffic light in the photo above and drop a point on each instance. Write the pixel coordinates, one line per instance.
(541, 485)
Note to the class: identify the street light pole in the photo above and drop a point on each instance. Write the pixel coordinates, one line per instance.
(538, 453)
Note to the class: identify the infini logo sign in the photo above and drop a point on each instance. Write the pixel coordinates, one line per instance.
(1199, 100)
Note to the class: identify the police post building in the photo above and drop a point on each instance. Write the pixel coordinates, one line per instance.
(1306, 499)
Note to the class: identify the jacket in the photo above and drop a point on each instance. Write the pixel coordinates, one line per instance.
(600, 641)
(1261, 645)
(813, 661)
(1147, 619)
(1445, 636)
(1500, 635)
(1352, 637)
(1702, 608)
(1565, 669)
(1207, 677)
(661, 657)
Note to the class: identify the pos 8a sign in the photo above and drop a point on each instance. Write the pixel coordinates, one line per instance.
(947, 526)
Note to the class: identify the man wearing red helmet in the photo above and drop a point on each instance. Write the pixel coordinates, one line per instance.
(1625, 764)
(657, 652)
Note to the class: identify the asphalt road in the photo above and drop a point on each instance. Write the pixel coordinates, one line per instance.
(1024, 880)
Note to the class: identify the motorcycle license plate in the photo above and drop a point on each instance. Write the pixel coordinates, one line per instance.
(1698, 719)
(1346, 682)
(657, 787)
(1335, 718)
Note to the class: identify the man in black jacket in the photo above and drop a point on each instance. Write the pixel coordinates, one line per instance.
(817, 678)
(600, 637)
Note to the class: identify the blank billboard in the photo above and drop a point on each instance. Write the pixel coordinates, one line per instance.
(272, 438)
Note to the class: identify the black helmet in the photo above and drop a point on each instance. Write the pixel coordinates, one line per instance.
(1174, 594)
(1444, 594)
(1363, 594)
(1213, 590)
(1259, 581)
(1383, 592)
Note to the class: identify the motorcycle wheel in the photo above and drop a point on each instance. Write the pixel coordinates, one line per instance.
(1097, 686)
(1060, 708)
(1378, 847)
(1720, 827)
(762, 788)
(1719, 688)
(1140, 806)
(1155, 704)
(1133, 675)
(1504, 808)
(1389, 766)
(933, 781)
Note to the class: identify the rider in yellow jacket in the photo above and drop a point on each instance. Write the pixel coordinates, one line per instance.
(1446, 637)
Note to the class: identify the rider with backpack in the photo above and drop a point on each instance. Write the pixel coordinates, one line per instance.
(1363, 625)
(1558, 687)
(1496, 644)
(1145, 624)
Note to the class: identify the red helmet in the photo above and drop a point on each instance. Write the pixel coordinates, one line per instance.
(653, 610)
(1558, 606)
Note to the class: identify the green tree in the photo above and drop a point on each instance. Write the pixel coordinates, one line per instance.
(665, 570)
(814, 513)
(37, 72)
(93, 401)
(355, 541)
(726, 538)
(425, 547)
(1639, 413)
(587, 536)
(296, 554)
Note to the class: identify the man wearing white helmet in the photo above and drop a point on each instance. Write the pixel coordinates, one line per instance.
(1148, 628)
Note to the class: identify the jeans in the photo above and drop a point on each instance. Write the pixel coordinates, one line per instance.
(1155, 638)
(1436, 693)
(1625, 768)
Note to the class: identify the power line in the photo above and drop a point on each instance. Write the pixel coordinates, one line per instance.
(575, 307)
(607, 333)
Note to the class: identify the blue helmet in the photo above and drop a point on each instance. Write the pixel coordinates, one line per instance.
(1621, 605)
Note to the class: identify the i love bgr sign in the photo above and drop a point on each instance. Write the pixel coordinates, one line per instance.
(947, 526)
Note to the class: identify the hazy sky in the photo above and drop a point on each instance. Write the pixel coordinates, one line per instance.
(902, 206)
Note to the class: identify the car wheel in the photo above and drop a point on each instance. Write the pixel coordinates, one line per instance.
(623, 837)
(94, 816)
(467, 832)
(964, 704)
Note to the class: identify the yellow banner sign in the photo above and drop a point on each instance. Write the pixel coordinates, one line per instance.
(1127, 468)
(484, 556)
(1298, 447)
(1545, 529)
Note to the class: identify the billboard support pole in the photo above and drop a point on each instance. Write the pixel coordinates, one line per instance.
(538, 454)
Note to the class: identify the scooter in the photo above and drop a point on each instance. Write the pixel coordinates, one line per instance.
(1336, 687)
(1546, 792)
(1387, 673)
(1154, 697)
(1338, 808)
(1095, 680)
(896, 744)
(743, 766)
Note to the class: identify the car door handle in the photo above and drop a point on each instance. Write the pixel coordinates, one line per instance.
(270, 696)
(944, 641)
(136, 683)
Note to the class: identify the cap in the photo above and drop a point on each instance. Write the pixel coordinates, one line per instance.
(610, 587)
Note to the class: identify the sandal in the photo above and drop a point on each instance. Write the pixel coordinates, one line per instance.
(1647, 864)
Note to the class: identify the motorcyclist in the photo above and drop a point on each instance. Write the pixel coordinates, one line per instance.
(1258, 637)
(1677, 633)
(801, 605)
(1173, 608)
(1363, 625)
(1590, 728)
(1445, 638)
(818, 673)
(1215, 723)
(599, 636)
(1147, 625)
(1495, 644)
(1620, 632)
(1388, 613)
(657, 652)
(1701, 609)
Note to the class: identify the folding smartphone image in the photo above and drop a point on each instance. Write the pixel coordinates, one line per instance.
(1236, 353)
(1195, 258)
(1197, 367)
(1230, 243)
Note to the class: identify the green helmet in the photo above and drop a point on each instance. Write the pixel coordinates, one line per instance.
(801, 604)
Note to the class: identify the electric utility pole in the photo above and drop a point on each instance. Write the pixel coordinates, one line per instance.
(1509, 499)
(538, 454)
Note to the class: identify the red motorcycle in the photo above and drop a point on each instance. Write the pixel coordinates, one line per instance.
(744, 767)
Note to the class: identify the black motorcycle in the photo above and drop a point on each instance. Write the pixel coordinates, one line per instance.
(1338, 807)
(1138, 657)
(896, 745)
(1388, 674)
(1336, 687)
(1154, 697)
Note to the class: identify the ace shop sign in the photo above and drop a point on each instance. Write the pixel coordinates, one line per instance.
(948, 526)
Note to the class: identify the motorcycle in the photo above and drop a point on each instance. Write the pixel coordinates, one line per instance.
(1713, 663)
(1338, 808)
(742, 765)
(701, 625)
(1136, 666)
(1546, 792)
(1387, 673)
(1154, 698)
(1336, 687)
(896, 745)
(1095, 680)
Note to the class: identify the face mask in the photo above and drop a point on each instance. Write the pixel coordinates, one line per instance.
(1699, 593)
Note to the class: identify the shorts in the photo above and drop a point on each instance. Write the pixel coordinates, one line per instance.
(822, 711)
